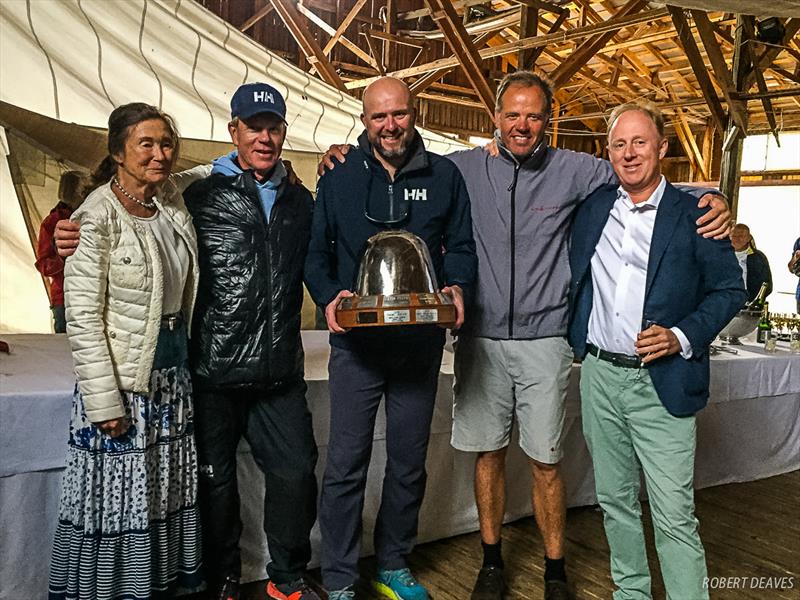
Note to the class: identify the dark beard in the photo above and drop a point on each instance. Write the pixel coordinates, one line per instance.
(392, 154)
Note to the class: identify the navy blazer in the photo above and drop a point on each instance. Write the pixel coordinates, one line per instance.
(693, 283)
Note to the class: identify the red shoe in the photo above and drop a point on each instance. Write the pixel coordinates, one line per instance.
(296, 590)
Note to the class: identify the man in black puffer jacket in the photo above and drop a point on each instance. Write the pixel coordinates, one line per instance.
(253, 229)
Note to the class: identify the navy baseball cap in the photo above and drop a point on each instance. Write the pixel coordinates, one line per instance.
(255, 98)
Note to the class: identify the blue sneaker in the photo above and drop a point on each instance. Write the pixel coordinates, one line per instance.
(399, 584)
(345, 594)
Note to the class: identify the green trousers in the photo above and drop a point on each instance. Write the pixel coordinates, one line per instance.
(625, 426)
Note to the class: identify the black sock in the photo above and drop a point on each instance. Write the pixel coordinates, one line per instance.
(554, 569)
(492, 554)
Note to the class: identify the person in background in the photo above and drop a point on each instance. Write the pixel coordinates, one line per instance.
(794, 268)
(647, 297)
(754, 264)
(128, 524)
(48, 262)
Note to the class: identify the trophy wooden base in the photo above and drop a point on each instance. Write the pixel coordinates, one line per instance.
(398, 309)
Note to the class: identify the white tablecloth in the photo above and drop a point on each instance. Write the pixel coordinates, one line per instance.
(750, 430)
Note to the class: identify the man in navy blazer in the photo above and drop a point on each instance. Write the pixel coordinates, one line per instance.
(647, 297)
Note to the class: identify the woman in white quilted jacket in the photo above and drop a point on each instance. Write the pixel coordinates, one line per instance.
(128, 525)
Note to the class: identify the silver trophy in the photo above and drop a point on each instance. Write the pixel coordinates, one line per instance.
(396, 285)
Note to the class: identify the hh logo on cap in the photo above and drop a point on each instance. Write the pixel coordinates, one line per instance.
(263, 96)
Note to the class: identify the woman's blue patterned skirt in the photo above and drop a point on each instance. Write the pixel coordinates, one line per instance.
(128, 526)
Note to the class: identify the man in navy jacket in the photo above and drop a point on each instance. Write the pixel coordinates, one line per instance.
(647, 297)
(390, 182)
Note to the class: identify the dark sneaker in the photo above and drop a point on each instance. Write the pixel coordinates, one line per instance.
(399, 584)
(229, 589)
(343, 594)
(296, 590)
(490, 585)
(557, 590)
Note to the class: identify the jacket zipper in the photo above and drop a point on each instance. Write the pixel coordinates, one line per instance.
(513, 189)
(267, 228)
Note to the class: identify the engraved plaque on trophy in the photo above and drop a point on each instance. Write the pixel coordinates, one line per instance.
(396, 285)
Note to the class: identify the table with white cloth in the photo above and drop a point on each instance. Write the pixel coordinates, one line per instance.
(750, 430)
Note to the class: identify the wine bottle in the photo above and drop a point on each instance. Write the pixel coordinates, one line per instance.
(757, 303)
(764, 325)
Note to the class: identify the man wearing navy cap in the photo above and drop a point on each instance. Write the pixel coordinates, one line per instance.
(247, 357)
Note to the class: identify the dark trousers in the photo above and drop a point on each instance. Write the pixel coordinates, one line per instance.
(358, 380)
(277, 425)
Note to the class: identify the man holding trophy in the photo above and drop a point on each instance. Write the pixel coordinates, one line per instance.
(394, 198)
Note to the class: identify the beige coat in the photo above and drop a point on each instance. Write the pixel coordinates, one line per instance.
(113, 290)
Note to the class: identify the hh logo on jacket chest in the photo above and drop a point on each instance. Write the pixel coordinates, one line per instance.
(416, 194)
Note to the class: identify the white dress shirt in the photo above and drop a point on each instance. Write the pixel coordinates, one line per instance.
(619, 275)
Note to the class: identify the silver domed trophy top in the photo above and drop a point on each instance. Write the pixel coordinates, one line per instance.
(396, 285)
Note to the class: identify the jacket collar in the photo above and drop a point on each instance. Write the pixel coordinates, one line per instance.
(533, 161)
(416, 160)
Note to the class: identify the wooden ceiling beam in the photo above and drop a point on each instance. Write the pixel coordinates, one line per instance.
(373, 50)
(766, 58)
(343, 26)
(397, 39)
(535, 42)
(528, 27)
(460, 43)
(690, 48)
(737, 109)
(535, 53)
(319, 22)
(632, 76)
(291, 17)
(590, 47)
(260, 14)
(687, 139)
(748, 23)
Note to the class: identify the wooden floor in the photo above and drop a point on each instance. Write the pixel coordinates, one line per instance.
(750, 530)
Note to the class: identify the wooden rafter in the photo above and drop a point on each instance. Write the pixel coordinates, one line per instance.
(590, 47)
(635, 77)
(460, 43)
(292, 19)
(373, 49)
(750, 34)
(614, 24)
(535, 53)
(768, 56)
(690, 48)
(319, 22)
(687, 139)
(528, 27)
(397, 39)
(260, 14)
(722, 73)
(343, 26)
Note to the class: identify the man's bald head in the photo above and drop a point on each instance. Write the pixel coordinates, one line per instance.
(389, 117)
(383, 87)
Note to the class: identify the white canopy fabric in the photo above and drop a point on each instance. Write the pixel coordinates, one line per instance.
(75, 60)
(65, 64)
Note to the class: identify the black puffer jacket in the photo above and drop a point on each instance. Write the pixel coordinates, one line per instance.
(246, 325)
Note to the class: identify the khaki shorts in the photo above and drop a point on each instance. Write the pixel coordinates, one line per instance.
(498, 381)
